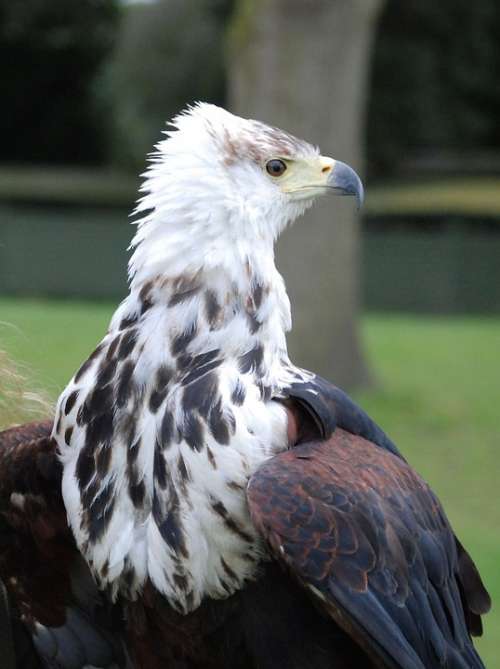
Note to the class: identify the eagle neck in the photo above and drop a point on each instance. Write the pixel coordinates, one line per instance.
(233, 308)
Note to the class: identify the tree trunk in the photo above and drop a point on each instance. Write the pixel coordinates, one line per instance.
(303, 65)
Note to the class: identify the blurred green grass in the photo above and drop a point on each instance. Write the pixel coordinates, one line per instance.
(437, 395)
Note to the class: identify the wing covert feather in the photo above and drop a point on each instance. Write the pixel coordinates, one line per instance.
(368, 537)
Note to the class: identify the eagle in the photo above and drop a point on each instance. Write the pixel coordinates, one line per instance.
(199, 501)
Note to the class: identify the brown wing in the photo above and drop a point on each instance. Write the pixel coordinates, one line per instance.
(33, 523)
(369, 539)
(51, 591)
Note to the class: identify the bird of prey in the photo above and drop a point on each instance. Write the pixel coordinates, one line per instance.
(200, 502)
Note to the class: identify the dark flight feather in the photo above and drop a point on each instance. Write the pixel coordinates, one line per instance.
(365, 535)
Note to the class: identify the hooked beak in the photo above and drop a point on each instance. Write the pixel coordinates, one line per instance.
(344, 180)
(320, 175)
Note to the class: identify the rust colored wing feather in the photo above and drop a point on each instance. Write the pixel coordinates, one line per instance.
(369, 540)
(37, 545)
(53, 597)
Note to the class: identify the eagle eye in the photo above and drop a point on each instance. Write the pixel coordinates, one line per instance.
(275, 167)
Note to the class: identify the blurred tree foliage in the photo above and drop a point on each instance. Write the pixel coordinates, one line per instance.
(434, 80)
(169, 54)
(73, 98)
(50, 53)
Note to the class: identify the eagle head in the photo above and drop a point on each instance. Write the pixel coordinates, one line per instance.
(220, 187)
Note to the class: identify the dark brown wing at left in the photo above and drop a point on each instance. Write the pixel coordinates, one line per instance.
(370, 541)
(33, 527)
(52, 595)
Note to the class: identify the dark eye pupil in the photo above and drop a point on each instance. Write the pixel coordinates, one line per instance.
(275, 167)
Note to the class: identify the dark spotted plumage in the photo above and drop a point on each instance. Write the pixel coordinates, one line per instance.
(266, 392)
(160, 469)
(254, 302)
(127, 428)
(100, 429)
(200, 394)
(70, 402)
(88, 363)
(133, 452)
(211, 458)
(212, 307)
(253, 322)
(252, 360)
(166, 429)
(182, 341)
(67, 435)
(136, 485)
(145, 297)
(183, 470)
(125, 384)
(137, 490)
(128, 321)
(192, 431)
(85, 466)
(171, 530)
(127, 343)
(159, 392)
(183, 290)
(100, 511)
(221, 424)
(238, 394)
(199, 365)
(257, 295)
(219, 508)
(103, 459)
(106, 371)
(112, 347)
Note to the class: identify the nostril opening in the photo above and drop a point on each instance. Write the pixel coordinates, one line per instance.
(326, 169)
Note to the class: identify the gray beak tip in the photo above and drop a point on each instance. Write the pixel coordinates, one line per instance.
(360, 195)
(345, 181)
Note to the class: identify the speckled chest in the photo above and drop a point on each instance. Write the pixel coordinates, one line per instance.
(157, 447)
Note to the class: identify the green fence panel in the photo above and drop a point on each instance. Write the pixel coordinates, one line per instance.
(64, 252)
(75, 251)
(448, 271)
